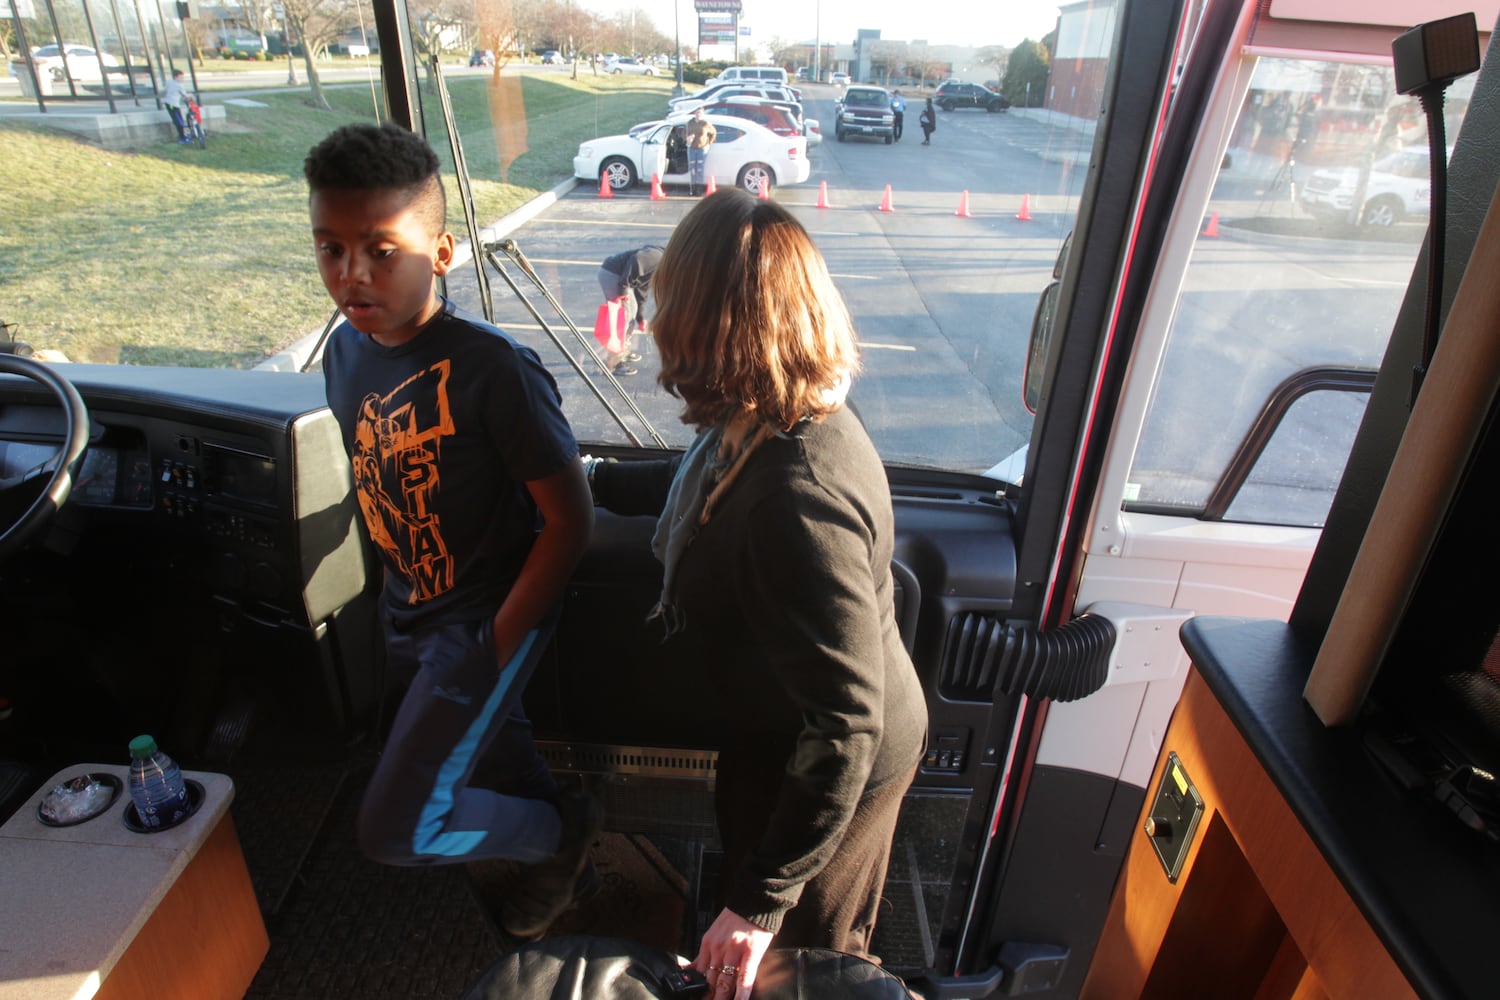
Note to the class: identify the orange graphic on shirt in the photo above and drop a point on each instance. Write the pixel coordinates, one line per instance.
(397, 440)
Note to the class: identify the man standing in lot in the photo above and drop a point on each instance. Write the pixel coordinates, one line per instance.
(898, 108)
(700, 135)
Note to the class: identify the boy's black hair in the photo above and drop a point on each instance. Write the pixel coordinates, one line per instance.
(377, 158)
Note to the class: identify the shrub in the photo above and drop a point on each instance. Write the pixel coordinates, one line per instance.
(241, 54)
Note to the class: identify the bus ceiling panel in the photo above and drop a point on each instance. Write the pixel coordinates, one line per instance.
(1344, 30)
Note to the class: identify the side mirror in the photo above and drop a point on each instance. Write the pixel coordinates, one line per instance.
(1041, 332)
(1041, 343)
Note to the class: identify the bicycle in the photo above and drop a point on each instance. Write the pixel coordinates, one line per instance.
(192, 124)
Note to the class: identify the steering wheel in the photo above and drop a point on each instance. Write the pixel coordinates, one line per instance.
(67, 460)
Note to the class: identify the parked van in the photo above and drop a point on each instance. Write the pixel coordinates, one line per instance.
(752, 74)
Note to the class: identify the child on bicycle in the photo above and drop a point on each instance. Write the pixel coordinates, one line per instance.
(175, 97)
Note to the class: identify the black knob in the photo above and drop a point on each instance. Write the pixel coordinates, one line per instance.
(1159, 827)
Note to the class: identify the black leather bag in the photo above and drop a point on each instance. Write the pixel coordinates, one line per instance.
(580, 967)
(819, 974)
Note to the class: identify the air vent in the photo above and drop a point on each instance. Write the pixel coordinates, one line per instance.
(983, 656)
(649, 762)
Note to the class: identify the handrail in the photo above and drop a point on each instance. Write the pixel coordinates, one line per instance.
(1320, 378)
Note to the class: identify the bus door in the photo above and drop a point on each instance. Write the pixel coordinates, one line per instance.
(1277, 228)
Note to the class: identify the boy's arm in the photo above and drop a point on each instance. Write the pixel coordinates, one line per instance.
(568, 518)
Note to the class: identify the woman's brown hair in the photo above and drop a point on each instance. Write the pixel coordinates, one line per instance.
(747, 317)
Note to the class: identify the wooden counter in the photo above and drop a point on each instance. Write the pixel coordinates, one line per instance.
(1311, 875)
(97, 910)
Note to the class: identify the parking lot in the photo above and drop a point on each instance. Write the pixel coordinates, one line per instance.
(942, 301)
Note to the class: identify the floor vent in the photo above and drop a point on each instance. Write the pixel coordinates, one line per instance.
(645, 762)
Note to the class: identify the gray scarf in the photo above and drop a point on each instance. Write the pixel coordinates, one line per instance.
(706, 472)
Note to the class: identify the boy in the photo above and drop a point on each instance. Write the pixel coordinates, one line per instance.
(175, 98)
(458, 443)
(627, 276)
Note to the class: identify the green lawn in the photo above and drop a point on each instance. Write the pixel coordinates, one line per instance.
(178, 256)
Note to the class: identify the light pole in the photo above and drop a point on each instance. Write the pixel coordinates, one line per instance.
(818, 42)
(677, 91)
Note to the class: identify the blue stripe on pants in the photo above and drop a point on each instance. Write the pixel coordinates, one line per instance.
(460, 713)
(429, 837)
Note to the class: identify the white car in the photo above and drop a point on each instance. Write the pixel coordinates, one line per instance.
(1398, 187)
(629, 65)
(83, 62)
(743, 154)
(840, 79)
(719, 92)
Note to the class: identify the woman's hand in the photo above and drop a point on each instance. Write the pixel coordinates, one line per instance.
(730, 955)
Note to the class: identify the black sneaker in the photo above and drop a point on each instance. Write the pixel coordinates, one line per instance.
(632, 356)
(544, 890)
(623, 369)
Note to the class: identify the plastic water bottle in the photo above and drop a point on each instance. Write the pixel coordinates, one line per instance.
(156, 785)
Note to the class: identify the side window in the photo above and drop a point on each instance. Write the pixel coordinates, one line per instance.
(1298, 268)
(727, 134)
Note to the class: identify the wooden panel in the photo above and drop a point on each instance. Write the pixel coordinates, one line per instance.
(1249, 929)
(1289, 976)
(1345, 958)
(205, 939)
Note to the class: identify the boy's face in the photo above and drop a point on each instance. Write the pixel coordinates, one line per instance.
(378, 257)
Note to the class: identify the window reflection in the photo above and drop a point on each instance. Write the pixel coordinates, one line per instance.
(1315, 221)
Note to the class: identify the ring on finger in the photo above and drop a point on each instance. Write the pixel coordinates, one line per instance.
(729, 970)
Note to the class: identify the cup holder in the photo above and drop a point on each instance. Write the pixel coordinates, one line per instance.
(195, 801)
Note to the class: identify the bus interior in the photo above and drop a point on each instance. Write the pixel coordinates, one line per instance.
(1129, 514)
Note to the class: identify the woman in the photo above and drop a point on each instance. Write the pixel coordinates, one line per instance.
(928, 120)
(775, 535)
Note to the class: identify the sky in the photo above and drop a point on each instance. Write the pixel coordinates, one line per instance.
(944, 22)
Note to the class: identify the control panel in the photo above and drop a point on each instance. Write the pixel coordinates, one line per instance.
(1172, 821)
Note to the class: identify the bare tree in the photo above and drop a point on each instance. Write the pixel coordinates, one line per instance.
(315, 24)
(921, 61)
(435, 20)
(995, 56)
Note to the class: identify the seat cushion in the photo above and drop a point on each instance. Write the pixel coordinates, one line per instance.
(580, 967)
(577, 967)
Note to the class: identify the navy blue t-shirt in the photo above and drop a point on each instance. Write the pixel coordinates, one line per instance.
(442, 433)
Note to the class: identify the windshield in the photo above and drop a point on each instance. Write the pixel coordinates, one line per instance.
(129, 246)
(147, 251)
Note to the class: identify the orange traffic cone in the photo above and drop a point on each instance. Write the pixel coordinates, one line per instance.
(604, 189)
(823, 195)
(711, 188)
(885, 202)
(1025, 213)
(657, 194)
(963, 206)
(1212, 229)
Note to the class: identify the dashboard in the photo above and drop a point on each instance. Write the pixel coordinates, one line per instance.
(212, 529)
(111, 475)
